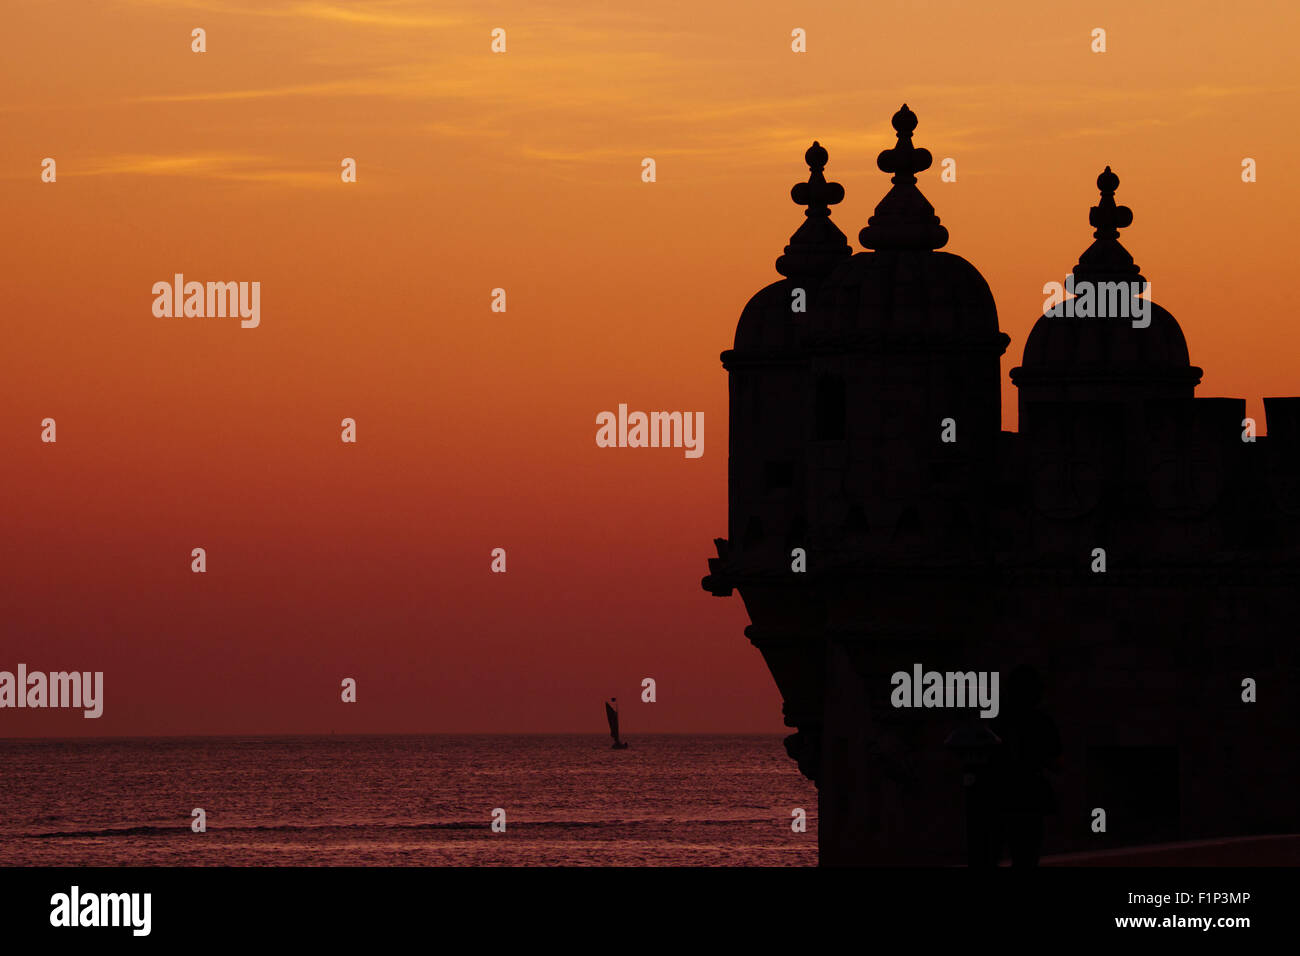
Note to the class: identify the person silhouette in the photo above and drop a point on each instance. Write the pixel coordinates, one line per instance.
(1021, 794)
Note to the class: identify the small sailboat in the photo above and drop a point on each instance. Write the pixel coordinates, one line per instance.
(611, 712)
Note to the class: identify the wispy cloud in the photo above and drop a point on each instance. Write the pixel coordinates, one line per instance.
(200, 164)
(380, 15)
(385, 13)
(230, 166)
(335, 88)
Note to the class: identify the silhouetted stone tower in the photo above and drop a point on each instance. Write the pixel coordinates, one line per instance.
(866, 431)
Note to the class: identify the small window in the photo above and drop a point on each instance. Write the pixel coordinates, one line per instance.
(797, 536)
(909, 524)
(856, 521)
(830, 410)
(778, 476)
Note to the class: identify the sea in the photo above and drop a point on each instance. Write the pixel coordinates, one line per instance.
(565, 800)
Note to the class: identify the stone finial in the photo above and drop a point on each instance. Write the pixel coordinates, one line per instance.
(1106, 216)
(904, 219)
(818, 245)
(1106, 260)
(904, 160)
(817, 194)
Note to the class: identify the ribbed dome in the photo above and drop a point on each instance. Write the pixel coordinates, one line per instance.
(1065, 344)
(902, 295)
(768, 323)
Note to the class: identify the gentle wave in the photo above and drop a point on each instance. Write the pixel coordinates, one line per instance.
(478, 824)
(709, 800)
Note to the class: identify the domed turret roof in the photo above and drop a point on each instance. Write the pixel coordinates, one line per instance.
(1065, 344)
(1102, 331)
(903, 296)
(768, 322)
(905, 291)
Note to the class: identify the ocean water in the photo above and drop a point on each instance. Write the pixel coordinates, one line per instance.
(404, 801)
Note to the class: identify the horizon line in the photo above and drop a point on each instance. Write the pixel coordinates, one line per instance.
(439, 733)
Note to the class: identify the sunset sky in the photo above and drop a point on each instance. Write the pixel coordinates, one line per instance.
(476, 429)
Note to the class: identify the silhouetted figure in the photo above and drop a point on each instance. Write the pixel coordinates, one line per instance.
(1014, 793)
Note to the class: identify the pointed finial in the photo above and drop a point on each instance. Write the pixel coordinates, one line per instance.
(904, 219)
(818, 244)
(1106, 260)
(1106, 216)
(904, 160)
(817, 194)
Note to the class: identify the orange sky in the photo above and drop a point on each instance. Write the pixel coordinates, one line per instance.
(476, 429)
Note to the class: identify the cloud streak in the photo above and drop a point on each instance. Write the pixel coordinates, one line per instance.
(243, 167)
